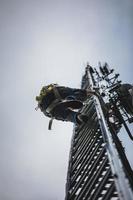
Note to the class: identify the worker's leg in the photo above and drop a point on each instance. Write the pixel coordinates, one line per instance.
(66, 114)
(80, 94)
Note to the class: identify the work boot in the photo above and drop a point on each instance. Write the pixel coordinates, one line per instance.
(81, 118)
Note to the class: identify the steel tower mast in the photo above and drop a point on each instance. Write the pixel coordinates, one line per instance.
(98, 167)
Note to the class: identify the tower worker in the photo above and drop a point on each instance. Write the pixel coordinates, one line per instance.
(62, 103)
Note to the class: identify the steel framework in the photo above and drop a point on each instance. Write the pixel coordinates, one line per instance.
(98, 168)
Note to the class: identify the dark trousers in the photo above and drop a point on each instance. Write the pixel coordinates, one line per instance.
(66, 114)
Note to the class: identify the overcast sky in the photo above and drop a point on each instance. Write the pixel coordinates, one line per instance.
(44, 41)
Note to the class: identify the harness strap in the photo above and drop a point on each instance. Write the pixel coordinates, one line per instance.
(50, 123)
(53, 105)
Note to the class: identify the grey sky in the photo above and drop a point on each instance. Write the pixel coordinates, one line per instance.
(43, 42)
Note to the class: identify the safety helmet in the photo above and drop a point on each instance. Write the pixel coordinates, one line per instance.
(44, 91)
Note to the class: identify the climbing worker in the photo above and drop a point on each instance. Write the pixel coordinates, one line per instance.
(61, 103)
